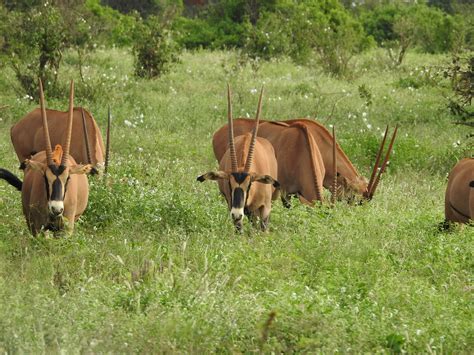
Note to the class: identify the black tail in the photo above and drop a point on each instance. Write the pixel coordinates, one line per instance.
(11, 179)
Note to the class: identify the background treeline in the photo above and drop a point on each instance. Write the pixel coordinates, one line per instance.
(327, 34)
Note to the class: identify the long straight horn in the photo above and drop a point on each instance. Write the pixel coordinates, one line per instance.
(248, 162)
(377, 161)
(334, 167)
(86, 137)
(67, 144)
(107, 144)
(233, 155)
(47, 140)
(384, 165)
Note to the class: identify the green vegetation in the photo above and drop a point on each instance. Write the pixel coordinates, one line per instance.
(154, 264)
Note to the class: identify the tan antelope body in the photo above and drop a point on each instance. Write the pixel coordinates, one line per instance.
(351, 183)
(301, 169)
(247, 174)
(459, 197)
(28, 138)
(55, 189)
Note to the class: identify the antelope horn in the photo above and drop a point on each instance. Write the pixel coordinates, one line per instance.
(107, 144)
(233, 155)
(384, 165)
(67, 144)
(334, 167)
(377, 161)
(47, 140)
(86, 137)
(248, 162)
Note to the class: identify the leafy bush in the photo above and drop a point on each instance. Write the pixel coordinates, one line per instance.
(33, 45)
(301, 30)
(153, 48)
(400, 27)
(194, 33)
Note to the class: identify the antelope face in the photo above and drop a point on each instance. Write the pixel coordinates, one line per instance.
(239, 186)
(56, 178)
(354, 191)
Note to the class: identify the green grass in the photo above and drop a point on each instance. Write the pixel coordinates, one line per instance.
(155, 266)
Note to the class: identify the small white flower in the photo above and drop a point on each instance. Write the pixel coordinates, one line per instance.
(253, 91)
(369, 126)
(364, 114)
(140, 149)
(128, 123)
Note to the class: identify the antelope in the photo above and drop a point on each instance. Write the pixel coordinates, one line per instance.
(459, 197)
(55, 189)
(86, 148)
(300, 165)
(247, 173)
(351, 184)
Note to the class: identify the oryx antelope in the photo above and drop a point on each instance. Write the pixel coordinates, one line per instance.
(247, 173)
(55, 189)
(351, 183)
(300, 166)
(459, 197)
(86, 148)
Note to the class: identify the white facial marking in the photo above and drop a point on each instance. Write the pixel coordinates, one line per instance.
(56, 207)
(237, 213)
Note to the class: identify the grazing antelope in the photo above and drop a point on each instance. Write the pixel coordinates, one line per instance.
(351, 183)
(55, 189)
(246, 173)
(86, 148)
(300, 166)
(459, 197)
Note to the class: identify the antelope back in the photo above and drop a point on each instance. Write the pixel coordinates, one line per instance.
(28, 139)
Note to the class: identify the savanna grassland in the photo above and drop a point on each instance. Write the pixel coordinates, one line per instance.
(154, 264)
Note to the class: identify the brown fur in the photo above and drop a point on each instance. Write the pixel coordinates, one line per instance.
(35, 201)
(350, 181)
(295, 151)
(28, 139)
(459, 197)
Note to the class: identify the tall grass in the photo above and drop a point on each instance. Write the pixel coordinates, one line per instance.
(155, 266)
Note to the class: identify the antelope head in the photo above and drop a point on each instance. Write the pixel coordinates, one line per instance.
(59, 167)
(240, 179)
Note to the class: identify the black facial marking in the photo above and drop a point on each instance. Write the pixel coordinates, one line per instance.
(57, 193)
(240, 177)
(471, 184)
(238, 198)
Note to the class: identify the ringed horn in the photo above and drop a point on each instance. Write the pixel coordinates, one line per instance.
(334, 167)
(248, 162)
(47, 140)
(67, 144)
(374, 181)
(86, 137)
(233, 155)
(107, 143)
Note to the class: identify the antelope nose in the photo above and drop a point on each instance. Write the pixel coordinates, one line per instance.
(236, 214)
(56, 208)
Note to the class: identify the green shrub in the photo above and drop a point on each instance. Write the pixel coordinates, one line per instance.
(153, 48)
(400, 27)
(302, 30)
(194, 33)
(33, 45)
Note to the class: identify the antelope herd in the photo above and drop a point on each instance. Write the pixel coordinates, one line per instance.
(258, 160)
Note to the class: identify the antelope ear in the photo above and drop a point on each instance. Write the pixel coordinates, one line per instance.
(80, 169)
(213, 175)
(265, 179)
(471, 184)
(34, 165)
